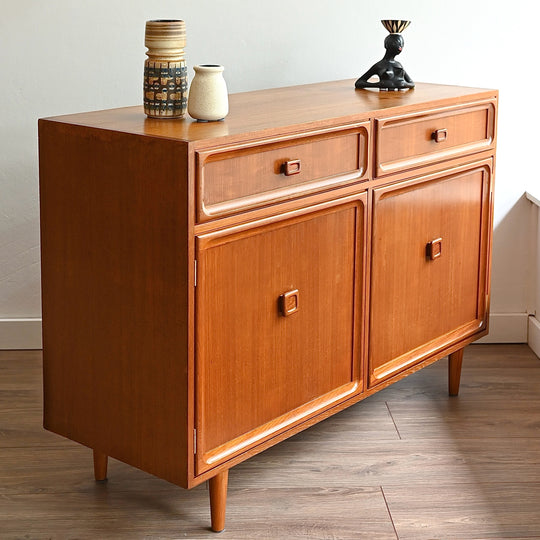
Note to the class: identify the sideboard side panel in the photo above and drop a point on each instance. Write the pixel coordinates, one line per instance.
(115, 294)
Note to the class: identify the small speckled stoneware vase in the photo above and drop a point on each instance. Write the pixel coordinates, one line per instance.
(208, 99)
(165, 71)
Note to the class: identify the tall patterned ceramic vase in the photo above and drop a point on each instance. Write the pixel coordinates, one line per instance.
(165, 71)
(208, 97)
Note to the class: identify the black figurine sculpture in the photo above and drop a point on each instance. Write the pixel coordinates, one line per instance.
(391, 74)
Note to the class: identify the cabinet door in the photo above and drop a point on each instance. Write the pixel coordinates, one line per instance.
(276, 325)
(429, 267)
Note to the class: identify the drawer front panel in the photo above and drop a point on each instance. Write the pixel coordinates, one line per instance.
(230, 180)
(406, 142)
(275, 327)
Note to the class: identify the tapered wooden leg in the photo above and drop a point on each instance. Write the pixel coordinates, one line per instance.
(218, 500)
(454, 372)
(100, 466)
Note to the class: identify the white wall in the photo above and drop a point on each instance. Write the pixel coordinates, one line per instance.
(63, 56)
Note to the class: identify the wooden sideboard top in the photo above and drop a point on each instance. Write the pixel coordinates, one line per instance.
(274, 111)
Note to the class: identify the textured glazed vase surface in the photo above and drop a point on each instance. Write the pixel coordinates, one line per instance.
(165, 70)
(208, 97)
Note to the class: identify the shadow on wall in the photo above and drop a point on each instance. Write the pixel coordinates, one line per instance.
(512, 260)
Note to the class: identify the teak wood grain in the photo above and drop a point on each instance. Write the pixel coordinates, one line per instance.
(447, 297)
(212, 289)
(455, 361)
(235, 179)
(281, 111)
(291, 361)
(115, 295)
(409, 141)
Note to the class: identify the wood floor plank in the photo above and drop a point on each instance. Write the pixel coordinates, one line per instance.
(21, 368)
(372, 463)
(367, 420)
(517, 355)
(20, 380)
(462, 418)
(56, 470)
(296, 464)
(466, 511)
(465, 467)
(23, 427)
(487, 373)
(268, 513)
(20, 398)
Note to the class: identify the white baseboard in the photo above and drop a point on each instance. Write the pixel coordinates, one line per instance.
(20, 334)
(507, 328)
(503, 328)
(534, 335)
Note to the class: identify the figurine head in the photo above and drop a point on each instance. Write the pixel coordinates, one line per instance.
(394, 43)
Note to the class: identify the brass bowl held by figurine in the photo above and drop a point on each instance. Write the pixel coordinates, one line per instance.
(389, 71)
(395, 26)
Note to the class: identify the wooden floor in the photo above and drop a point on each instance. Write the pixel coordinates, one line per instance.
(407, 463)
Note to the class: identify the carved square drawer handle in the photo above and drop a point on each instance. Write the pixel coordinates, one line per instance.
(288, 303)
(291, 167)
(434, 249)
(439, 135)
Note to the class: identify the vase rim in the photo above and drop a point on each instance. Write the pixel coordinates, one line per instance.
(208, 67)
(165, 34)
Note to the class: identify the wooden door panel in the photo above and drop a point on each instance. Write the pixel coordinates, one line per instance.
(428, 270)
(275, 326)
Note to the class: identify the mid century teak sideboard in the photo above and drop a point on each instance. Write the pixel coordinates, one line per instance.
(210, 289)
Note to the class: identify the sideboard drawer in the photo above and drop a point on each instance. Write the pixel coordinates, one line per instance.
(409, 141)
(237, 178)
